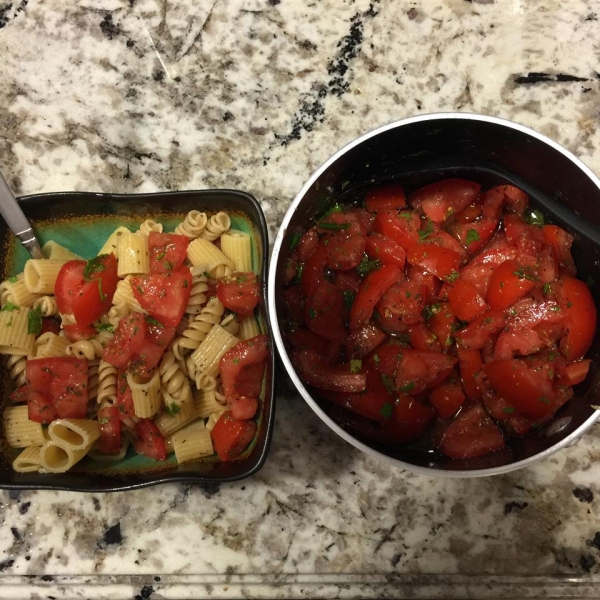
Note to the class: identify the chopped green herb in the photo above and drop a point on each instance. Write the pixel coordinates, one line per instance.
(173, 409)
(387, 410)
(525, 273)
(366, 265)
(168, 265)
(185, 283)
(427, 230)
(459, 325)
(453, 276)
(534, 217)
(105, 327)
(550, 373)
(349, 296)
(312, 313)
(100, 292)
(569, 304)
(10, 307)
(140, 289)
(389, 384)
(34, 321)
(153, 321)
(355, 366)
(13, 279)
(406, 214)
(408, 294)
(544, 400)
(241, 279)
(376, 358)
(551, 356)
(333, 226)
(160, 256)
(555, 308)
(508, 409)
(236, 361)
(472, 236)
(546, 289)
(103, 421)
(408, 387)
(336, 208)
(94, 265)
(206, 274)
(295, 240)
(430, 310)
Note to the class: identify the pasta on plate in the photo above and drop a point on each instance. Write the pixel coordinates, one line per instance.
(152, 344)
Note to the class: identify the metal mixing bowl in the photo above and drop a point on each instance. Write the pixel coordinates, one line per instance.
(491, 151)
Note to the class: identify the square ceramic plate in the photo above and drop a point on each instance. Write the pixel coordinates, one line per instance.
(82, 222)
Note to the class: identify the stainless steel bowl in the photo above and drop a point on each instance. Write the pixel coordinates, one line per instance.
(422, 149)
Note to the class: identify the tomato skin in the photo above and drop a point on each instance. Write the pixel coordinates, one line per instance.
(441, 199)
(423, 339)
(473, 236)
(166, 295)
(579, 309)
(58, 383)
(404, 230)
(510, 281)
(419, 370)
(337, 378)
(401, 305)
(21, 394)
(50, 325)
(409, 421)
(167, 251)
(561, 242)
(471, 434)
(345, 248)
(480, 331)
(324, 312)
(128, 340)
(238, 293)
(76, 332)
(521, 341)
(465, 302)
(230, 437)
(149, 441)
(574, 373)
(440, 261)
(389, 196)
(371, 290)
(304, 339)
(242, 369)
(386, 250)
(364, 340)
(371, 403)
(86, 298)
(313, 272)
(428, 281)
(294, 303)
(446, 399)
(528, 390)
(110, 430)
(307, 244)
(441, 324)
(124, 397)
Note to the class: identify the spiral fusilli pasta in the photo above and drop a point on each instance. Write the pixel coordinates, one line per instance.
(173, 381)
(47, 306)
(150, 225)
(216, 225)
(107, 382)
(193, 224)
(17, 368)
(198, 293)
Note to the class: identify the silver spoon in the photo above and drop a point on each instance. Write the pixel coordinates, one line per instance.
(17, 221)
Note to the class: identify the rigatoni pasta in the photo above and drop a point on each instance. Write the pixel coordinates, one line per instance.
(20, 432)
(40, 275)
(132, 254)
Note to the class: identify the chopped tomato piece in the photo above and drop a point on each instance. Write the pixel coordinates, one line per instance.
(167, 251)
(480, 331)
(402, 227)
(442, 262)
(166, 295)
(372, 288)
(294, 303)
(324, 312)
(230, 437)
(86, 289)
(418, 370)
(50, 325)
(409, 421)
(314, 269)
(238, 293)
(58, 388)
(363, 340)
(386, 250)
(441, 199)
(76, 332)
(124, 397)
(561, 242)
(579, 310)
(149, 441)
(441, 323)
(129, 339)
(304, 339)
(574, 373)
(471, 434)
(308, 244)
(446, 399)
(471, 372)
(465, 302)
(401, 306)
(511, 280)
(389, 196)
(473, 236)
(346, 244)
(423, 339)
(110, 430)
(337, 378)
(427, 280)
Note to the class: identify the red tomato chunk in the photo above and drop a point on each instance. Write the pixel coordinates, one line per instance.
(450, 317)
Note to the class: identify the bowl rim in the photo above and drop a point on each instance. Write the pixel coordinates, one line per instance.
(120, 483)
(569, 440)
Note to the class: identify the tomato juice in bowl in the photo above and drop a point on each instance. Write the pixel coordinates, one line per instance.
(416, 152)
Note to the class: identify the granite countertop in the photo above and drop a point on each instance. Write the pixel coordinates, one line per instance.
(147, 95)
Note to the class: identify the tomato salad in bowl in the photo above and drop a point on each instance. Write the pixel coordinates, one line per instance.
(450, 320)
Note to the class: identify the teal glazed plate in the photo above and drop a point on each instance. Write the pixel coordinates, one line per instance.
(82, 222)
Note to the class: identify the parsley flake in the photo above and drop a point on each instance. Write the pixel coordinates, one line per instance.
(10, 307)
(387, 410)
(355, 366)
(472, 236)
(295, 240)
(34, 321)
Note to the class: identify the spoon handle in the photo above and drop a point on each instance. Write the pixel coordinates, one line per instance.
(17, 221)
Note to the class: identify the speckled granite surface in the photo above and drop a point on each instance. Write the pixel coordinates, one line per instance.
(145, 95)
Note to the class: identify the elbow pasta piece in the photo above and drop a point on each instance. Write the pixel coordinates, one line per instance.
(17, 365)
(14, 291)
(198, 293)
(107, 382)
(54, 251)
(132, 254)
(40, 275)
(47, 305)
(217, 225)
(198, 328)
(150, 225)
(193, 224)
(19, 431)
(237, 247)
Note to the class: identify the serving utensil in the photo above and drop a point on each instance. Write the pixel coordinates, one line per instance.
(17, 221)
